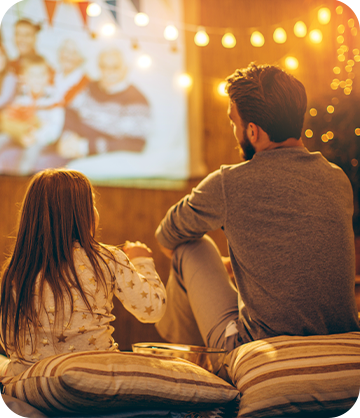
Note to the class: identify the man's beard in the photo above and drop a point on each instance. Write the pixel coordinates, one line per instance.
(246, 148)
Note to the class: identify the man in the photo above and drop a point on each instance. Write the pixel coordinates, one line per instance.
(109, 115)
(287, 217)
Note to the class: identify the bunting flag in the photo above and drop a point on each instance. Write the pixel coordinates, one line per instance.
(50, 8)
(136, 4)
(113, 9)
(82, 7)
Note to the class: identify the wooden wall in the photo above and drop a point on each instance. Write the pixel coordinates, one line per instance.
(133, 213)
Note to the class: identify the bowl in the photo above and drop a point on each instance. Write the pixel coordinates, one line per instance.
(210, 359)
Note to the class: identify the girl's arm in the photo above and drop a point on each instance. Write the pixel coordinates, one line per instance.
(138, 285)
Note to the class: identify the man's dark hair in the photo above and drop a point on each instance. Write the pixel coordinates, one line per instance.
(271, 98)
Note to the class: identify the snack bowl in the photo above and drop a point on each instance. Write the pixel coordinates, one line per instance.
(210, 359)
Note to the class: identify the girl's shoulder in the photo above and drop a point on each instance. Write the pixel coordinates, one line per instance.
(111, 251)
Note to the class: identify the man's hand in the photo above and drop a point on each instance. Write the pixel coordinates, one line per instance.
(136, 249)
(166, 251)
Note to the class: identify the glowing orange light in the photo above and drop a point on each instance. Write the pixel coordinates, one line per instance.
(339, 10)
(300, 29)
(309, 133)
(357, 131)
(279, 35)
(316, 36)
(340, 39)
(257, 39)
(221, 88)
(341, 28)
(330, 134)
(324, 138)
(330, 109)
(313, 111)
(351, 23)
(354, 162)
(337, 70)
(291, 63)
(324, 15)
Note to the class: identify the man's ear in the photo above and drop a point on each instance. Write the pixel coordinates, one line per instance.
(252, 132)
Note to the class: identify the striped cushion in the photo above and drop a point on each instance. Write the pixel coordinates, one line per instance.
(103, 381)
(284, 376)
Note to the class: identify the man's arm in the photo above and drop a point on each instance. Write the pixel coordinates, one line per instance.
(197, 213)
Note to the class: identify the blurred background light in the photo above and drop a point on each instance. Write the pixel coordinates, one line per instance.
(300, 29)
(257, 39)
(93, 10)
(201, 37)
(324, 15)
(228, 40)
(141, 19)
(171, 33)
(279, 35)
(316, 36)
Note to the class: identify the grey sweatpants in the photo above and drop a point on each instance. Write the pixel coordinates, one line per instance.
(202, 301)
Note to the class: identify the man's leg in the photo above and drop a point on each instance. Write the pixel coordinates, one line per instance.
(201, 299)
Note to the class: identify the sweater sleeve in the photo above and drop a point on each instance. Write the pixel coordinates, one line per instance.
(139, 288)
(203, 210)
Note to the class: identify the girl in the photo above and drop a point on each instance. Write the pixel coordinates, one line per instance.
(7, 79)
(57, 286)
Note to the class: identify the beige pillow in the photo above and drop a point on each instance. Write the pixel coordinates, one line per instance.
(103, 381)
(288, 375)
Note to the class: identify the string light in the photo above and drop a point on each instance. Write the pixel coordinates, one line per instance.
(221, 88)
(341, 28)
(324, 15)
(257, 39)
(330, 134)
(171, 33)
(357, 131)
(141, 19)
(341, 57)
(351, 23)
(330, 109)
(279, 36)
(339, 10)
(291, 63)
(324, 138)
(300, 29)
(309, 133)
(144, 61)
(184, 80)
(340, 39)
(93, 10)
(337, 70)
(108, 29)
(228, 40)
(201, 37)
(316, 36)
(313, 111)
(354, 31)
(354, 162)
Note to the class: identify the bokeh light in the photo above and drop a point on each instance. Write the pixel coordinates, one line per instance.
(228, 40)
(291, 63)
(351, 23)
(171, 33)
(279, 35)
(324, 15)
(341, 28)
(144, 61)
(339, 10)
(257, 39)
(337, 70)
(184, 80)
(300, 29)
(93, 10)
(330, 109)
(313, 111)
(141, 19)
(340, 39)
(221, 88)
(316, 36)
(108, 29)
(330, 134)
(201, 38)
(357, 131)
(309, 133)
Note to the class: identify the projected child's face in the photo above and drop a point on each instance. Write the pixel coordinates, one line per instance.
(25, 38)
(36, 77)
(69, 57)
(112, 69)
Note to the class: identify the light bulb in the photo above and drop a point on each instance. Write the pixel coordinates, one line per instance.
(184, 80)
(228, 40)
(141, 19)
(291, 63)
(316, 36)
(93, 10)
(300, 29)
(324, 15)
(201, 38)
(257, 39)
(279, 35)
(221, 89)
(171, 33)
(108, 29)
(144, 61)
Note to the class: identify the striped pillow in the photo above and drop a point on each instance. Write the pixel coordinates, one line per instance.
(284, 376)
(103, 381)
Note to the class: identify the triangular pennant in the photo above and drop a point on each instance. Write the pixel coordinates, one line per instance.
(82, 7)
(50, 8)
(113, 9)
(136, 4)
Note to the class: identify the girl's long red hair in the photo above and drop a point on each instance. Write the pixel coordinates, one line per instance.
(57, 210)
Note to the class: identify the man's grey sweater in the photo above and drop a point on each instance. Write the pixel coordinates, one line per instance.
(287, 216)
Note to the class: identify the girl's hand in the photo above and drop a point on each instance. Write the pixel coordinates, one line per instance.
(136, 249)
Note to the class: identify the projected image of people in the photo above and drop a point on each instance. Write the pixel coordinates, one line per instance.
(109, 115)
(30, 121)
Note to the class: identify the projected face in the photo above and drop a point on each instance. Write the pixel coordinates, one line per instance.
(70, 57)
(36, 77)
(25, 38)
(112, 69)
